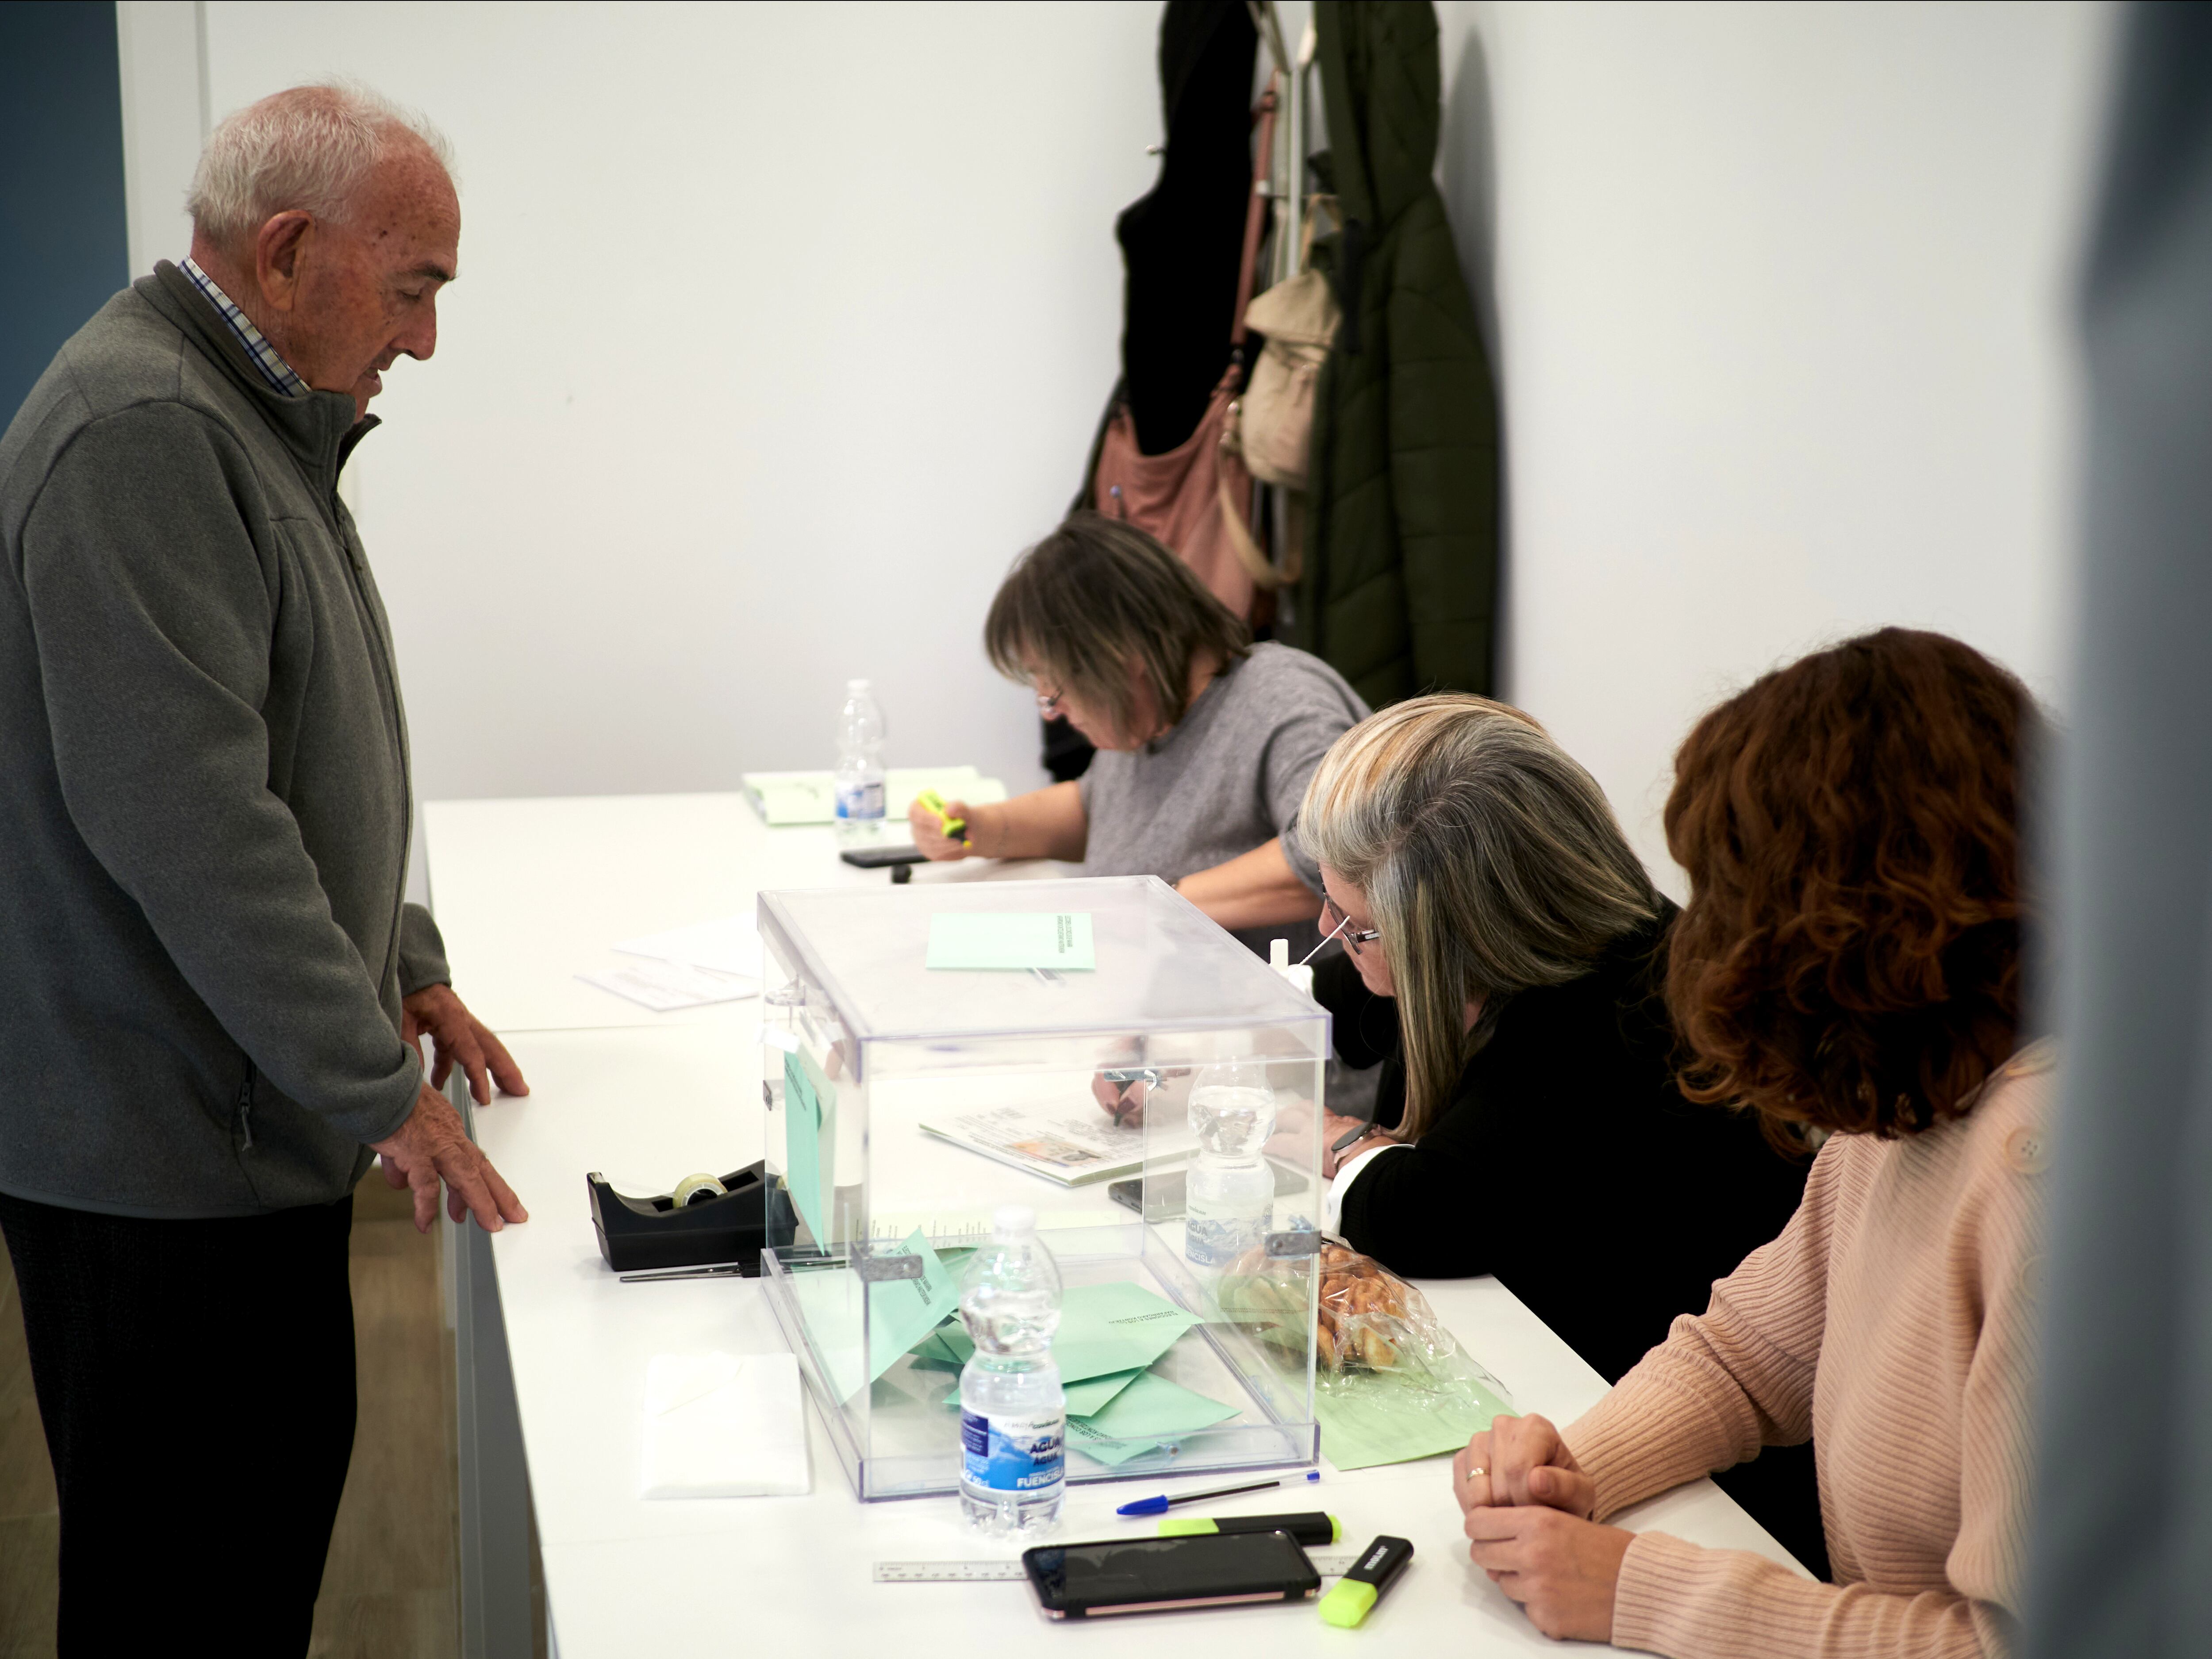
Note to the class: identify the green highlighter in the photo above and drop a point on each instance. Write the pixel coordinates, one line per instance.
(1308, 1530)
(1359, 1590)
(930, 799)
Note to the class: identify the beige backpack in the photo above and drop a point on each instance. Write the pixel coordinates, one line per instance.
(1272, 424)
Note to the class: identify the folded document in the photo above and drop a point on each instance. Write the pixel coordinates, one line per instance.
(786, 798)
(725, 1426)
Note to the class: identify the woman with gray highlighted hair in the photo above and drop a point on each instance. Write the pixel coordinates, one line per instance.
(1505, 963)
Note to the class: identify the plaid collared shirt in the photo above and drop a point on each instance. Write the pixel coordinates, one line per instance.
(273, 368)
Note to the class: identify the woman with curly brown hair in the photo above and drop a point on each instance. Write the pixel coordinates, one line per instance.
(1849, 961)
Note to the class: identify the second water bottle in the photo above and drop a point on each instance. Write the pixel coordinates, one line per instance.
(1013, 1414)
(859, 767)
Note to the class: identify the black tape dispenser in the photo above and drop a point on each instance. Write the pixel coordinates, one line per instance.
(706, 1221)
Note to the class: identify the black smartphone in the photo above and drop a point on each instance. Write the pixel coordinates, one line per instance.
(883, 858)
(1167, 1574)
(1171, 1194)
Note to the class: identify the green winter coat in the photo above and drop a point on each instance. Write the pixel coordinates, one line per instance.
(1400, 588)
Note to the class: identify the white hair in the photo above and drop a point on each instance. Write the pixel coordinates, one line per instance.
(311, 147)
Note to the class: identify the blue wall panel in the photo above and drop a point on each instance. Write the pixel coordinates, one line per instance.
(64, 241)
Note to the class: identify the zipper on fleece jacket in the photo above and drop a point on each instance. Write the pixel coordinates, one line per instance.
(246, 1111)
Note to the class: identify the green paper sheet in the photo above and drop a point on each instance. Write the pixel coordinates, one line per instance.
(1380, 1417)
(1086, 1397)
(1103, 1329)
(809, 1140)
(934, 1352)
(900, 1310)
(1012, 941)
(1151, 1412)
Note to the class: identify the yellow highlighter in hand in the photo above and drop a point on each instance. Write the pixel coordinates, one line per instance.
(951, 826)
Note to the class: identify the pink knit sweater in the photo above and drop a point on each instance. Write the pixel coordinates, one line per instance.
(1892, 1322)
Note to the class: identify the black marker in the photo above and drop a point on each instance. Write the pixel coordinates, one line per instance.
(1310, 1530)
(1359, 1590)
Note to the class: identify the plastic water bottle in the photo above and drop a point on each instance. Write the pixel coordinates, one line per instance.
(1228, 1190)
(859, 767)
(1013, 1415)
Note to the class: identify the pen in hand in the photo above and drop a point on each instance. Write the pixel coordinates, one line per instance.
(1131, 1087)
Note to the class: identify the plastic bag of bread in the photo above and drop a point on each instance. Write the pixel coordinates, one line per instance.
(1390, 1383)
(1365, 1317)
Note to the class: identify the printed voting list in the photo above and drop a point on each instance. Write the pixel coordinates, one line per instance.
(1012, 941)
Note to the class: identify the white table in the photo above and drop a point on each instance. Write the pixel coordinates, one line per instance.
(530, 892)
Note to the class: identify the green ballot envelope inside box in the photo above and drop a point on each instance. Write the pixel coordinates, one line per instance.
(899, 1311)
(810, 1139)
(1103, 1329)
(1147, 1414)
(1011, 942)
(1113, 1414)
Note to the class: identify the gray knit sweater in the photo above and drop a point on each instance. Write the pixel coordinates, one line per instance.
(204, 786)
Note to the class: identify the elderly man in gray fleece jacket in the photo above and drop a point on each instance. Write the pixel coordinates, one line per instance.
(212, 997)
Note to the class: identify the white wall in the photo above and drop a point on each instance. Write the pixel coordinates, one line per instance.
(780, 329)
(1780, 301)
(783, 327)
(165, 117)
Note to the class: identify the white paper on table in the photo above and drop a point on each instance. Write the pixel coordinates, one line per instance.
(725, 1426)
(731, 946)
(662, 986)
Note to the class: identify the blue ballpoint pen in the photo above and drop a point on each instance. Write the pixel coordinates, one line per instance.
(1162, 1503)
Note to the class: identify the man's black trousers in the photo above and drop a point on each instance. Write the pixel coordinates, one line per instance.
(196, 1379)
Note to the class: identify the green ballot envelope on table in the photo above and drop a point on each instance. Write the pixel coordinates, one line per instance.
(888, 1014)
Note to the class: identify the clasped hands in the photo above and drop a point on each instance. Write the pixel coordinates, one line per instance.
(1528, 1505)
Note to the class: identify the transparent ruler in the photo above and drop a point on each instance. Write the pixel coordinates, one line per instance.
(944, 1572)
(1328, 1565)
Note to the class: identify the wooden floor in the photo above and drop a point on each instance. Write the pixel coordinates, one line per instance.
(390, 1588)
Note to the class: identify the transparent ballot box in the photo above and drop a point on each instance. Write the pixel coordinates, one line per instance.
(1153, 1095)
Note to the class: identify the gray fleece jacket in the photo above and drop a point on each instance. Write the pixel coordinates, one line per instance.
(203, 788)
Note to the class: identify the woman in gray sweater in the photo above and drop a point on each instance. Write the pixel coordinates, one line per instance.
(1205, 739)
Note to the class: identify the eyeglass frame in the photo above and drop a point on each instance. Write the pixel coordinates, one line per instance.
(1356, 938)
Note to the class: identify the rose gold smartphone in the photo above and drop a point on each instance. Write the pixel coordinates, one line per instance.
(1166, 1575)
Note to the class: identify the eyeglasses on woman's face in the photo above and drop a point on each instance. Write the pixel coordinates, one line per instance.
(1353, 937)
(1049, 705)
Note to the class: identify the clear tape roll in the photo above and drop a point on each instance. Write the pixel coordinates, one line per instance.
(693, 1188)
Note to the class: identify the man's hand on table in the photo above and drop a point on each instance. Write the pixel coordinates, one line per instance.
(1528, 1505)
(458, 1034)
(431, 1147)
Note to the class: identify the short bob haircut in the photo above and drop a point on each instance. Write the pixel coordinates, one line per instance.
(1098, 598)
(1849, 959)
(1490, 860)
